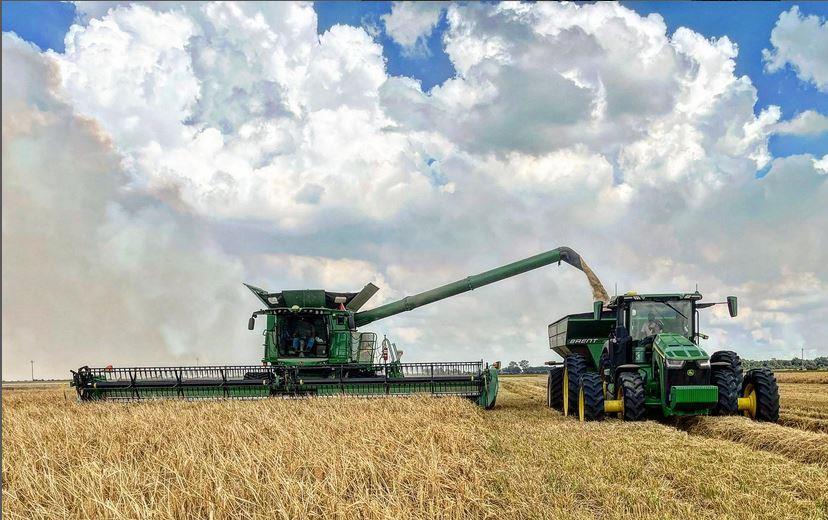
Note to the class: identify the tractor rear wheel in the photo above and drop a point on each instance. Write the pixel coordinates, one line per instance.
(574, 366)
(631, 395)
(761, 388)
(735, 362)
(590, 397)
(554, 389)
(728, 403)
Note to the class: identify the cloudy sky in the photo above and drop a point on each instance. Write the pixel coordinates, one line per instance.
(157, 155)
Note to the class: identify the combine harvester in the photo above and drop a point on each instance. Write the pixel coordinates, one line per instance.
(640, 355)
(312, 348)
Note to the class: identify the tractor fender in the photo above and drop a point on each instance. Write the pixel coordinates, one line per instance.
(629, 367)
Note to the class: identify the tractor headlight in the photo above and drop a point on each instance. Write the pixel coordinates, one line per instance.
(674, 363)
(704, 364)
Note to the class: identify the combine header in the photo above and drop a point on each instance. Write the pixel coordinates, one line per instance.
(312, 348)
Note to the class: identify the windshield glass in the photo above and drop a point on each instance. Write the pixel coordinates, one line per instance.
(648, 318)
(302, 335)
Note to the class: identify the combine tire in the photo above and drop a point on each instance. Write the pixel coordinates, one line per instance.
(631, 394)
(554, 389)
(735, 362)
(590, 398)
(760, 386)
(728, 403)
(574, 367)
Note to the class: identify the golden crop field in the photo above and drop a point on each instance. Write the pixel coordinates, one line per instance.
(419, 457)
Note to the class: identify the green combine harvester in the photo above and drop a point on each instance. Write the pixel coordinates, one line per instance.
(640, 356)
(312, 348)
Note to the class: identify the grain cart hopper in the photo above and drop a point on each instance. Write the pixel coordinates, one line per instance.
(312, 348)
(641, 354)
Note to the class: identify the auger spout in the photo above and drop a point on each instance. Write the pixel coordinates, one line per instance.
(408, 303)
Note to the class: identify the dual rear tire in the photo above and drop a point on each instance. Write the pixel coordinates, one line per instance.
(573, 390)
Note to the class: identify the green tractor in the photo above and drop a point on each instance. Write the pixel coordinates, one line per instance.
(312, 347)
(640, 356)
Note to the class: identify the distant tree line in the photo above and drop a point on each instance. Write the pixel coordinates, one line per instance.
(819, 363)
(523, 367)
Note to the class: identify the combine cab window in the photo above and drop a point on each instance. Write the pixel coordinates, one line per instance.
(304, 335)
(648, 318)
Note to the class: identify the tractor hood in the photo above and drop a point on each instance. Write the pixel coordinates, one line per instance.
(676, 346)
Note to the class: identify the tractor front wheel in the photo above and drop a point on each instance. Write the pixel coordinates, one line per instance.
(728, 403)
(554, 389)
(735, 362)
(574, 366)
(631, 395)
(761, 395)
(590, 398)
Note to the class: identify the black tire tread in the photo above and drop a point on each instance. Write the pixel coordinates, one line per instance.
(593, 389)
(728, 356)
(576, 365)
(554, 389)
(728, 403)
(632, 387)
(767, 393)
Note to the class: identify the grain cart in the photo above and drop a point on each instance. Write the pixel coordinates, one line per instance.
(640, 354)
(312, 348)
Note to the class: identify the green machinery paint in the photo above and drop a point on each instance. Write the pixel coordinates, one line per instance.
(640, 355)
(340, 361)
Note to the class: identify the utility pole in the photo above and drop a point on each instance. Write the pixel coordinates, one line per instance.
(802, 365)
(32, 363)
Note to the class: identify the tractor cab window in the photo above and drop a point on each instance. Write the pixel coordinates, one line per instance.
(303, 335)
(648, 318)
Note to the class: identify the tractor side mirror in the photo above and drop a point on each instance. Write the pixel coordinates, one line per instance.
(732, 306)
(251, 323)
(597, 307)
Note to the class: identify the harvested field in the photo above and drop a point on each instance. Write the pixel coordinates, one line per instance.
(402, 458)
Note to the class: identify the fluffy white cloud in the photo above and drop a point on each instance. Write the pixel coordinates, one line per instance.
(94, 273)
(291, 159)
(410, 23)
(808, 122)
(800, 41)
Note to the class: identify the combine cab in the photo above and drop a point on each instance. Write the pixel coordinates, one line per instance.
(641, 355)
(312, 348)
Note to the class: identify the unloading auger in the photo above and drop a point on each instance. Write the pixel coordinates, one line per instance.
(312, 348)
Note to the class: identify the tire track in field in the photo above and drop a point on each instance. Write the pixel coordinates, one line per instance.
(793, 443)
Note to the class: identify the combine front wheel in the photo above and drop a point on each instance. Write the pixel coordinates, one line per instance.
(631, 395)
(760, 393)
(554, 389)
(590, 398)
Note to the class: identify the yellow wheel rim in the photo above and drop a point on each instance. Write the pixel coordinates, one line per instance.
(566, 392)
(750, 394)
(581, 414)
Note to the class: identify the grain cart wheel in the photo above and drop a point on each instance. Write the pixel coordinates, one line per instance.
(631, 395)
(760, 393)
(554, 389)
(735, 362)
(728, 403)
(574, 366)
(590, 397)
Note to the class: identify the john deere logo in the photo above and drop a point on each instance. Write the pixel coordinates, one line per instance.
(691, 373)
